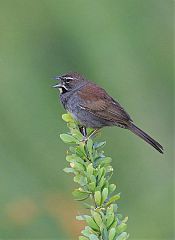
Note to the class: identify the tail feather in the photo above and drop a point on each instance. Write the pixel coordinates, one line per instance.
(146, 137)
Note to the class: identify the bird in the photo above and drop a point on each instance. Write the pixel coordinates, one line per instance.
(93, 107)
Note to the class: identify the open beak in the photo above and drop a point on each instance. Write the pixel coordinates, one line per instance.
(58, 85)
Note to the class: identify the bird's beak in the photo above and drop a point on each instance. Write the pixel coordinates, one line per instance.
(57, 78)
(58, 85)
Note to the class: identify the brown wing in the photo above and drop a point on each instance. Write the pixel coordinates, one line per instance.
(99, 103)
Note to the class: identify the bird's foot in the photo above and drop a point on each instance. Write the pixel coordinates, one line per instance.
(92, 134)
(84, 139)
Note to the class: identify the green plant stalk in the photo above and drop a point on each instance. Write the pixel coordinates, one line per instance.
(92, 171)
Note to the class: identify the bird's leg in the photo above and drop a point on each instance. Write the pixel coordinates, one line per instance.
(80, 129)
(83, 130)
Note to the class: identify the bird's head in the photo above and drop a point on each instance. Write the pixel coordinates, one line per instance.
(69, 81)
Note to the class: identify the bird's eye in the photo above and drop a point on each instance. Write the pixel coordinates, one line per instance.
(68, 79)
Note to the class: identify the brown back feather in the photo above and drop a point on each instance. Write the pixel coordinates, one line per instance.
(99, 103)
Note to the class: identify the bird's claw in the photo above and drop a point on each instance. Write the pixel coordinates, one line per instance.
(84, 139)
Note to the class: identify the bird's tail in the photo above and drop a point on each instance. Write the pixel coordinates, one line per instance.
(146, 137)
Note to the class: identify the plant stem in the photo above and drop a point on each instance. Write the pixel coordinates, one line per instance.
(92, 171)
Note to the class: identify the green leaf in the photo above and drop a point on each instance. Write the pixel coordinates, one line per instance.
(109, 172)
(122, 236)
(68, 170)
(87, 206)
(106, 161)
(77, 134)
(103, 161)
(110, 219)
(92, 186)
(77, 166)
(68, 138)
(71, 126)
(112, 233)
(101, 173)
(106, 185)
(114, 224)
(93, 237)
(83, 238)
(99, 145)
(119, 216)
(112, 188)
(102, 182)
(80, 195)
(90, 170)
(113, 199)
(97, 218)
(105, 234)
(73, 158)
(90, 149)
(92, 178)
(81, 217)
(79, 150)
(125, 220)
(87, 231)
(97, 197)
(91, 223)
(80, 179)
(121, 228)
(81, 161)
(115, 209)
(72, 149)
(67, 118)
(90, 145)
(69, 158)
(104, 194)
(83, 181)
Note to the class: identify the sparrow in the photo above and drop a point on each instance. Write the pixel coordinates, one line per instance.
(93, 107)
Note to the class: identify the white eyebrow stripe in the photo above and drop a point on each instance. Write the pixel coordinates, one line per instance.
(68, 78)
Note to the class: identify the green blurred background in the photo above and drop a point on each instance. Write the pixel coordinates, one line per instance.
(126, 47)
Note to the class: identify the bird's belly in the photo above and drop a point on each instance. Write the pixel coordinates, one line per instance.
(88, 119)
(83, 116)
